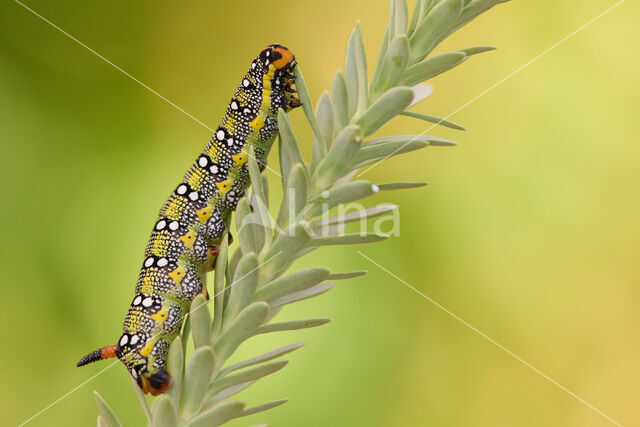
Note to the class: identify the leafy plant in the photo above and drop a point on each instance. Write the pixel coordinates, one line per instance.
(250, 287)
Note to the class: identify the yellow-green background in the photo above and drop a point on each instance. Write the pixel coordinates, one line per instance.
(529, 230)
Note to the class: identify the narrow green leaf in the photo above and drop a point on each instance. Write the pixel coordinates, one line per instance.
(249, 374)
(342, 152)
(401, 18)
(392, 18)
(431, 67)
(433, 26)
(351, 74)
(469, 51)
(307, 107)
(241, 328)
(217, 415)
(186, 331)
(196, 380)
(386, 107)
(245, 281)
(382, 52)
(101, 422)
(164, 412)
(291, 283)
(304, 294)
(200, 321)
(373, 153)
(348, 239)
(288, 138)
(263, 407)
(175, 367)
(400, 185)
(285, 162)
(219, 285)
(293, 325)
(324, 115)
(419, 11)
(471, 11)
(349, 192)
(223, 394)
(433, 119)
(361, 63)
(262, 358)
(282, 252)
(295, 197)
(246, 228)
(347, 275)
(109, 418)
(255, 175)
(340, 98)
(141, 399)
(353, 216)
(393, 66)
(431, 140)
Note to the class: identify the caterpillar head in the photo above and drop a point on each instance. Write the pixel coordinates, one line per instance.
(280, 64)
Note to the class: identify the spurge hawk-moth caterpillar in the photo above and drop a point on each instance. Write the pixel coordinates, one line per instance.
(192, 222)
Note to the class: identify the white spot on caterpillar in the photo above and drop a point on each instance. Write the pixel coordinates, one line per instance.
(161, 224)
(220, 135)
(247, 111)
(278, 82)
(134, 374)
(124, 340)
(234, 104)
(214, 169)
(203, 162)
(194, 195)
(148, 262)
(182, 189)
(268, 53)
(134, 340)
(148, 302)
(162, 262)
(137, 300)
(253, 65)
(246, 83)
(174, 225)
(266, 63)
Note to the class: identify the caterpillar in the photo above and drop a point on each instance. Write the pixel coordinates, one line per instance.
(192, 222)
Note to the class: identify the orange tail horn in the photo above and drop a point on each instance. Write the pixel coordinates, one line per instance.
(101, 353)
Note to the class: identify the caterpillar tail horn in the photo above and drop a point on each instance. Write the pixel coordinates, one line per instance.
(101, 353)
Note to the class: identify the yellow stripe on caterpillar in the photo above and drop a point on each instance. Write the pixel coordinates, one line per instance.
(160, 316)
(146, 350)
(178, 274)
(204, 214)
(189, 238)
(240, 158)
(224, 186)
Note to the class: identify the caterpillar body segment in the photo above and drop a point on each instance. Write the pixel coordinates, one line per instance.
(191, 223)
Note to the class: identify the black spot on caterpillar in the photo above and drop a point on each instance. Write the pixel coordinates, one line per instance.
(192, 221)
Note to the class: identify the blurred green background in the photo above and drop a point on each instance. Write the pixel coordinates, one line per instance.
(528, 231)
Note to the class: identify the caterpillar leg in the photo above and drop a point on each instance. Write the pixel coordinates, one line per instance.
(213, 255)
